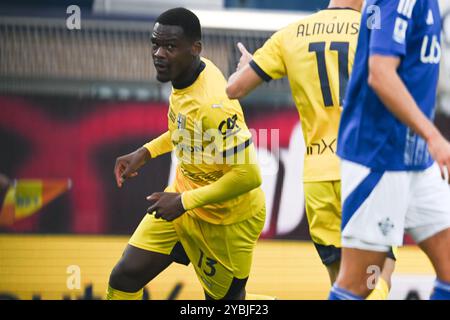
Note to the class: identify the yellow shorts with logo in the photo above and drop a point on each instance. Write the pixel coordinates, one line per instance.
(324, 213)
(220, 254)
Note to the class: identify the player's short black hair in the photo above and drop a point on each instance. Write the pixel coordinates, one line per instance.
(184, 18)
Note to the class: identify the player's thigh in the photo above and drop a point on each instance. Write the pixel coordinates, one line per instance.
(137, 267)
(428, 218)
(355, 269)
(158, 235)
(323, 210)
(151, 248)
(437, 249)
(221, 254)
(429, 211)
(374, 206)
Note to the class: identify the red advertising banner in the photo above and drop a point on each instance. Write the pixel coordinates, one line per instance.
(79, 139)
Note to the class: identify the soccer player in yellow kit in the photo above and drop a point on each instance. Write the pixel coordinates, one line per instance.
(214, 211)
(316, 53)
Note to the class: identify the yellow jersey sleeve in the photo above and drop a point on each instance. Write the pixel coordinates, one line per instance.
(268, 61)
(160, 145)
(240, 179)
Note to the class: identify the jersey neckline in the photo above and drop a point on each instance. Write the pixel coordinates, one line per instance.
(194, 77)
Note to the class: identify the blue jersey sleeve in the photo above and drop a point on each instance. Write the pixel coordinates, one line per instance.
(389, 36)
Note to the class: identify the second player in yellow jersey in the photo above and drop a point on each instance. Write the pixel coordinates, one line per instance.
(316, 53)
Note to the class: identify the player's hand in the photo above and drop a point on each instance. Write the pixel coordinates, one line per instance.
(439, 149)
(246, 56)
(166, 205)
(127, 165)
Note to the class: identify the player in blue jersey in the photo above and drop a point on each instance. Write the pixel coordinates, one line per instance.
(395, 162)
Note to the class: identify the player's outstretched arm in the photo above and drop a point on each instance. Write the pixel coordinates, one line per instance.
(127, 165)
(385, 81)
(245, 79)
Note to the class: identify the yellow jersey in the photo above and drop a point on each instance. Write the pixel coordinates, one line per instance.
(209, 133)
(316, 53)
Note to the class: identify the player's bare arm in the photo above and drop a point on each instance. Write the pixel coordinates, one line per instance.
(385, 81)
(245, 79)
(128, 165)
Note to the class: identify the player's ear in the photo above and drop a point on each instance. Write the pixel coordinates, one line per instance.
(196, 48)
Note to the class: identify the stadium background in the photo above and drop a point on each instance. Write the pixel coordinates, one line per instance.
(71, 101)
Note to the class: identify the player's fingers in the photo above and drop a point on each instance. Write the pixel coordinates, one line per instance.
(447, 172)
(127, 173)
(154, 196)
(118, 173)
(118, 180)
(157, 211)
(242, 48)
(134, 174)
(152, 209)
(441, 168)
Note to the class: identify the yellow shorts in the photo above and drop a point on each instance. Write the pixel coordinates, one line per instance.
(221, 254)
(323, 209)
(324, 213)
